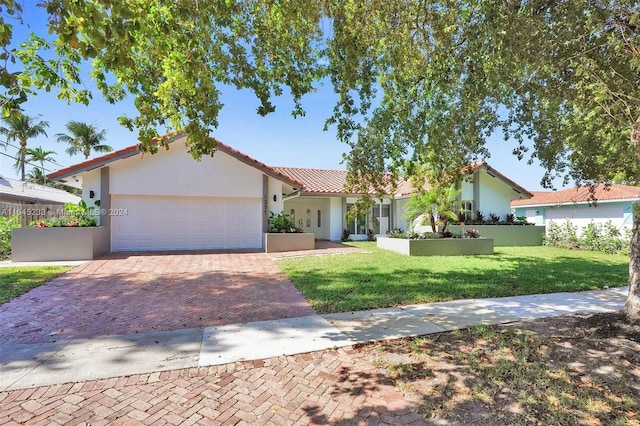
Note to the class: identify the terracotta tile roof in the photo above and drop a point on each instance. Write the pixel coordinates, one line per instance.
(134, 150)
(102, 160)
(317, 181)
(324, 181)
(581, 195)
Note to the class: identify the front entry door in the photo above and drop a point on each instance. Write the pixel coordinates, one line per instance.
(310, 217)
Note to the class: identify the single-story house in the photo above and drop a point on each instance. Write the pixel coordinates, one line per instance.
(613, 203)
(21, 192)
(168, 201)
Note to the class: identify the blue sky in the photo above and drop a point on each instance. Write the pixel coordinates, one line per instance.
(277, 139)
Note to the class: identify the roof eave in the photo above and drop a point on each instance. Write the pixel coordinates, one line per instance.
(517, 188)
(571, 203)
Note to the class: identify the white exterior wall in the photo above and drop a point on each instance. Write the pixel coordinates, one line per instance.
(495, 196)
(335, 218)
(274, 187)
(175, 172)
(91, 182)
(581, 215)
(467, 190)
(399, 221)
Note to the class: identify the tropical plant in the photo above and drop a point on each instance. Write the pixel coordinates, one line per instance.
(436, 205)
(81, 214)
(83, 138)
(421, 204)
(36, 176)
(281, 222)
(509, 218)
(479, 218)
(40, 155)
(494, 218)
(20, 127)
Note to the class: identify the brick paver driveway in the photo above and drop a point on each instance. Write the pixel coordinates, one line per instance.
(332, 387)
(135, 293)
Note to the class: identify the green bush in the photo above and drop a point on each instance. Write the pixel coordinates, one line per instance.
(606, 237)
(565, 235)
(281, 223)
(6, 225)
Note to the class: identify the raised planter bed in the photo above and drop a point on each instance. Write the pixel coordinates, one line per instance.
(437, 247)
(277, 242)
(52, 244)
(508, 235)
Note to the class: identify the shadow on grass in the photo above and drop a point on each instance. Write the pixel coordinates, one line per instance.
(554, 371)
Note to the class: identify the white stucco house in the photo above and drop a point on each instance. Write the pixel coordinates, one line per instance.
(613, 203)
(168, 201)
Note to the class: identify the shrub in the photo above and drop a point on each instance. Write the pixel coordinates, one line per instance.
(6, 225)
(462, 217)
(472, 233)
(479, 219)
(371, 236)
(509, 218)
(345, 235)
(494, 218)
(605, 237)
(281, 223)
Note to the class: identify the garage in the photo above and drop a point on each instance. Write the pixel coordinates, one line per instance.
(148, 223)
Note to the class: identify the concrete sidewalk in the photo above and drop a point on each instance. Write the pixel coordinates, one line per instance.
(75, 360)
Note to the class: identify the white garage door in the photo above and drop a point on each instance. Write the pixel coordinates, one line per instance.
(184, 223)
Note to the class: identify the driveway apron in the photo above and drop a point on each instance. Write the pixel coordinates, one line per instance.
(134, 293)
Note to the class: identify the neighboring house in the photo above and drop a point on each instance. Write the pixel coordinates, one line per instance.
(613, 204)
(168, 201)
(20, 192)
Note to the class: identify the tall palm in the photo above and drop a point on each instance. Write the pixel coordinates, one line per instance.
(21, 128)
(40, 155)
(83, 138)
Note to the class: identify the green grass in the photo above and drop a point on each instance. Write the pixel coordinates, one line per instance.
(384, 278)
(19, 280)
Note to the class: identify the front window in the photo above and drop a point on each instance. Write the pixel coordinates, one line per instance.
(377, 218)
(356, 224)
(465, 213)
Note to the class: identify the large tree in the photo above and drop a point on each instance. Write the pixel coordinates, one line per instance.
(40, 155)
(83, 138)
(19, 127)
(419, 81)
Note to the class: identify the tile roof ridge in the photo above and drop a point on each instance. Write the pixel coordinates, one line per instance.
(310, 168)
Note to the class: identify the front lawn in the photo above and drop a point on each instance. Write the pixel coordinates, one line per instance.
(15, 281)
(383, 278)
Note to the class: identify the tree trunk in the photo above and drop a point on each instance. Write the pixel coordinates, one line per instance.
(22, 159)
(632, 306)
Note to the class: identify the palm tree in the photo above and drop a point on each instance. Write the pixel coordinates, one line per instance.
(20, 127)
(36, 175)
(39, 154)
(436, 205)
(83, 138)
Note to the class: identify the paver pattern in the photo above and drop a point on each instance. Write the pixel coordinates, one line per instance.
(325, 387)
(133, 293)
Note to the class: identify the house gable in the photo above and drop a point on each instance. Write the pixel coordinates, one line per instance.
(174, 172)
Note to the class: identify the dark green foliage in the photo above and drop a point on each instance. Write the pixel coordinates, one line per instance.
(282, 223)
(595, 236)
(6, 225)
